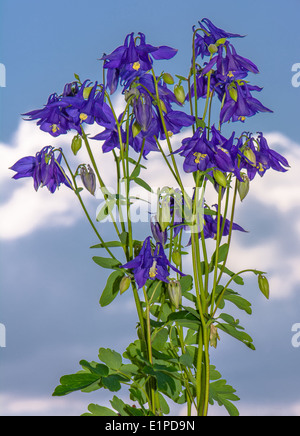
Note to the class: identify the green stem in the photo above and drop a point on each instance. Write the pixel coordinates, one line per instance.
(217, 249)
(102, 185)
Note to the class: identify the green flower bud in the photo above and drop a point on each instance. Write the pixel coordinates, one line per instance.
(124, 284)
(250, 155)
(86, 92)
(176, 257)
(264, 285)
(76, 144)
(243, 187)
(163, 106)
(136, 128)
(175, 294)
(220, 178)
(168, 79)
(164, 214)
(212, 48)
(233, 94)
(179, 93)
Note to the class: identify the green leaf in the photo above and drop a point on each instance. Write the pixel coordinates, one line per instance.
(106, 262)
(237, 334)
(238, 279)
(111, 358)
(135, 173)
(119, 405)
(239, 302)
(112, 382)
(106, 209)
(95, 368)
(186, 283)
(75, 382)
(223, 250)
(159, 339)
(108, 244)
(185, 319)
(99, 411)
(142, 183)
(111, 289)
(223, 393)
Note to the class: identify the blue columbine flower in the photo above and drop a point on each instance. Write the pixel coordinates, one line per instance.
(44, 168)
(241, 105)
(263, 158)
(132, 59)
(150, 266)
(52, 118)
(75, 106)
(231, 65)
(211, 35)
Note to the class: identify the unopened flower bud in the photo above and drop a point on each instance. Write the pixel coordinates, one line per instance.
(88, 179)
(176, 257)
(220, 178)
(164, 215)
(87, 91)
(136, 128)
(212, 48)
(264, 285)
(233, 93)
(76, 144)
(158, 234)
(243, 187)
(250, 155)
(124, 284)
(179, 93)
(175, 293)
(168, 79)
(132, 92)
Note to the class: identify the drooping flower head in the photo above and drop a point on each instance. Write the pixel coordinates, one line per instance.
(75, 106)
(44, 168)
(212, 34)
(257, 157)
(132, 59)
(149, 265)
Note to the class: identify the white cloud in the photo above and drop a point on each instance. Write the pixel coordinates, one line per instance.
(13, 405)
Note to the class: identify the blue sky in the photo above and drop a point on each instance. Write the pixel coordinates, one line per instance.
(49, 286)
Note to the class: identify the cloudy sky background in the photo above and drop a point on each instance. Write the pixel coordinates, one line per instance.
(49, 286)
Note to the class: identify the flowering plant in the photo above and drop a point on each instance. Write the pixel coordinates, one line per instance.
(178, 275)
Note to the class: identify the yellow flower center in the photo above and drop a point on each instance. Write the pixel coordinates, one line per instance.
(242, 118)
(136, 66)
(230, 74)
(199, 157)
(153, 270)
(83, 117)
(54, 128)
(260, 167)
